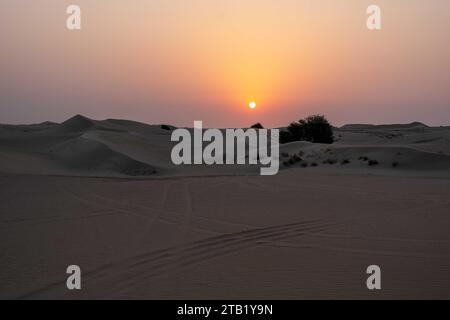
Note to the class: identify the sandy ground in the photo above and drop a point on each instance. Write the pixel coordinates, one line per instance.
(139, 228)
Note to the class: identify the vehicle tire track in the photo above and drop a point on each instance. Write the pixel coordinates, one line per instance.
(150, 265)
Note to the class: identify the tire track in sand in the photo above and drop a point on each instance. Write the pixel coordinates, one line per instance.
(126, 273)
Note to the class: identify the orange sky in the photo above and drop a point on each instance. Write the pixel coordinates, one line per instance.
(183, 60)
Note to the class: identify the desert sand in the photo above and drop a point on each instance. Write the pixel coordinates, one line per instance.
(104, 195)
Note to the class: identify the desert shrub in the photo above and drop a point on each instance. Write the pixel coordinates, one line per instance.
(314, 128)
(257, 126)
(395, 164)
(304, 164)
(296, 131)
(314, 164)
(345, 161)
(330, 161)
(373, 163)
(296, 158)
(363, 158)
(286, 137)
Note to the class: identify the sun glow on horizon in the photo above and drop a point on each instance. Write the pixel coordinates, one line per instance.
(229, 63)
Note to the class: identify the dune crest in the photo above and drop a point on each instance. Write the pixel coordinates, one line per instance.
(76, 124)
(124, 148)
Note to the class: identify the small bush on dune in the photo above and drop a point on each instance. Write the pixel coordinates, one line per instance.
(286, 137)
(296, 158)
(370, 162)
(314, 128)
(257, 126)
(345, 161)
(330, 161)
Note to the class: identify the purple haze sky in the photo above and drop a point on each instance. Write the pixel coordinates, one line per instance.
(177, 61)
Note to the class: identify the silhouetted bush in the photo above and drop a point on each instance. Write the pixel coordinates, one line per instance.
(330, 161)
(257, 126)
(345, 161)
(285, 137)
(373, 163)
(296, 158)
(315, 129)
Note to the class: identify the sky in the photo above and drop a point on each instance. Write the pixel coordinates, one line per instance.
(159, 61)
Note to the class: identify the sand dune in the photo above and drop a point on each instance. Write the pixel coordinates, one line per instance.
(82, 146)
(75, 124)
(300, 234)
(389, 159)
(72, 148)
(379, 195)
(94, 158)
(414, 126)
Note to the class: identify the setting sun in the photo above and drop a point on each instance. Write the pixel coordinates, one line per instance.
(252, 105)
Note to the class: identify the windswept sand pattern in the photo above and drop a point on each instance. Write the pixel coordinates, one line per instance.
(144, 267)
(172, 210)
(84, 192)
(171, 228)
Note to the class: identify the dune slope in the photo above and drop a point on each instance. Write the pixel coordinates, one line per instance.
(123, 148)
